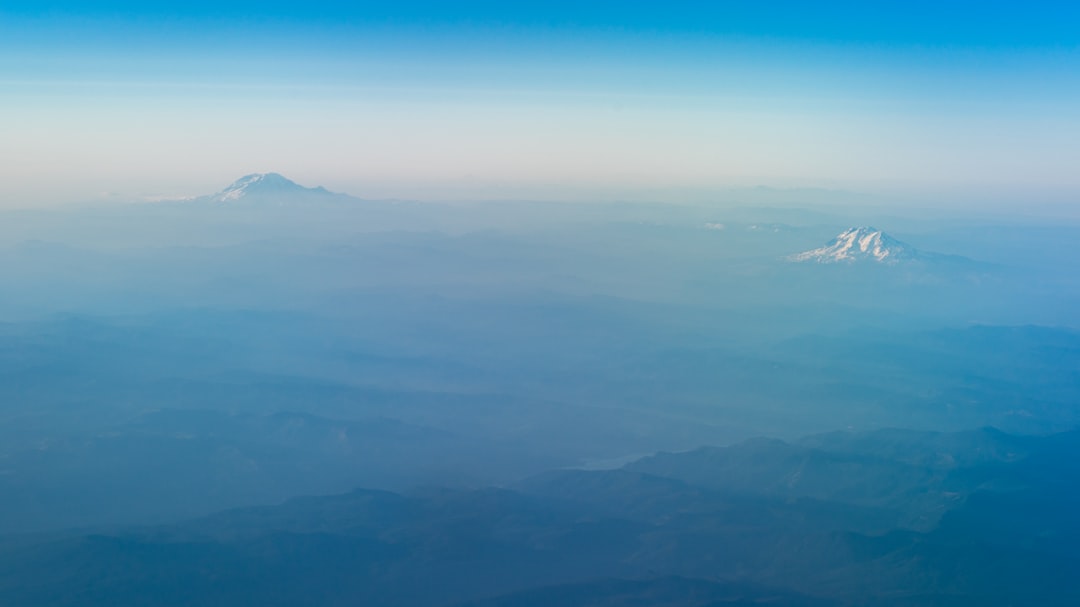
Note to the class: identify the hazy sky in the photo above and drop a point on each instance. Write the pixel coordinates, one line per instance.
(528, 99)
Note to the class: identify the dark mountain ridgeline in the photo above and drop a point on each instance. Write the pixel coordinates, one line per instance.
(673, 535)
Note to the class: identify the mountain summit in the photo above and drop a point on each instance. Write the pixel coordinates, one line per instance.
(860, 244)
(271, 186)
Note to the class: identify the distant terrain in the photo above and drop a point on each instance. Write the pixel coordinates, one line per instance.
(280, 395)
(880, 518)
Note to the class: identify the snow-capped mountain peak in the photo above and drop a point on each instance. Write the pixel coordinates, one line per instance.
(263, 184)
(860, 244)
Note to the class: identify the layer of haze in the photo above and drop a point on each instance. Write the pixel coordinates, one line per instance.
(418, 100)
(654, 383)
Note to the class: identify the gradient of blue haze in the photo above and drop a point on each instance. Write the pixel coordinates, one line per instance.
(559, 99)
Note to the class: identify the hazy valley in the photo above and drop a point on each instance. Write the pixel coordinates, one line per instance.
(582, 404)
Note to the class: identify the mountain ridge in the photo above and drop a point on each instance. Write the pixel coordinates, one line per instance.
(861, 244)
(272, 187)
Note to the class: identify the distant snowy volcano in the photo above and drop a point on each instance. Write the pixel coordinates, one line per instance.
(860, 244)
(270, 186)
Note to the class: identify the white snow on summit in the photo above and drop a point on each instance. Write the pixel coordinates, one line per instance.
(858, 244)
(263, 184)
(238, 189)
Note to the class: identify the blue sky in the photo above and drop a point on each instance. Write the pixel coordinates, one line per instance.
(989, 23)
(531, 99)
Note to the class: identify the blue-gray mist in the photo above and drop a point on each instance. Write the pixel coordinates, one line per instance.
(280, 395)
